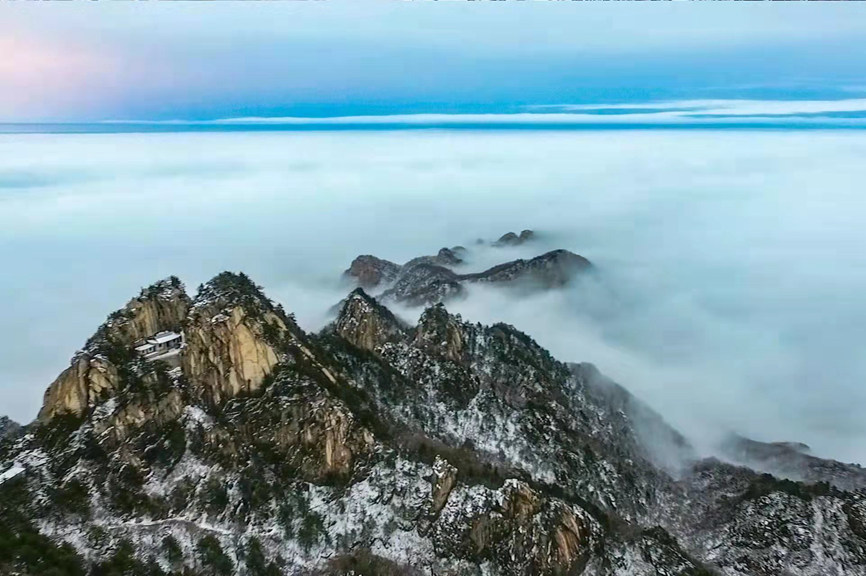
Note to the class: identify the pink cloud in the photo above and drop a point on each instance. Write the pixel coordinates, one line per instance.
(44, 80)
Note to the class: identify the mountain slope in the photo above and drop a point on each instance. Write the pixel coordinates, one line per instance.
(375, 447)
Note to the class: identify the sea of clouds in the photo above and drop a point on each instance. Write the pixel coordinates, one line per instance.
(731, 277)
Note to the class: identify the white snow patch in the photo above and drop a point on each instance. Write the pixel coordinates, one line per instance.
(12, 472)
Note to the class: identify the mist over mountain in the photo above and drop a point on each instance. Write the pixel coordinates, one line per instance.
(210, 434)
(728, 285)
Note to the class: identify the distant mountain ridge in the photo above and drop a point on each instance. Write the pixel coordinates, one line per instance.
(379, 447)
(431, 279)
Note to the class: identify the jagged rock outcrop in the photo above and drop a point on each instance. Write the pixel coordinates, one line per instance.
(753, 523)
(549, 270)
(161, 306)
(443, 481)
(121, 421)
(366, 323)
(369, 271)
(313, 433)
(95, 373)
(521, 529)
(446, 257)
(440, 334)
(496, 388)
(234, 334)
(426, 283)
(80, 387)
(227, 353)
(450, 256)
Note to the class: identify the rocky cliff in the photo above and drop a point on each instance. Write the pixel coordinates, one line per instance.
(233, 333)
(93, 374)
(379, 447)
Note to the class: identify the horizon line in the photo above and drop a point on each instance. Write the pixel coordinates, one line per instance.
(682, 113)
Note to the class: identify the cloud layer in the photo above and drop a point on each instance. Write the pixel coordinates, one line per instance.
(731, 273)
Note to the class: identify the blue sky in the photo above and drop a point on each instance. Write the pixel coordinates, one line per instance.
(190, 61)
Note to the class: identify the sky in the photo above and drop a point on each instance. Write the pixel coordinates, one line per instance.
(83, 62)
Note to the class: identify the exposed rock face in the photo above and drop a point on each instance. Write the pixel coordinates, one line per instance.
(535, 534)
(422, 283)
(425, 283)
(80, 387)
(227, 352)
(753, 523)
(313, 434)
(440, 333)
(450, 256)
(446, 257)
(365, 323)
(496, 388)
(375, 447)
(152, 409)
(444, 478)
(369, 271)
(93, 374)
(162, 306)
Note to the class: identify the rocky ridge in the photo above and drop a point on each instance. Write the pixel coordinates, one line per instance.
(378, 447)
(512, 239)
(8, 427)
(431, 279)
(792, 460)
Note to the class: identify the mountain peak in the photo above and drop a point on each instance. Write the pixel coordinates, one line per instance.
(426, 280)
(369, 271)
(791, 460)
(226, 340)
(231, 289)
(160, 306)
(441, 333)
(96, 371)
(235, 336)
(512, 239)
(366, 323)
(547, 271)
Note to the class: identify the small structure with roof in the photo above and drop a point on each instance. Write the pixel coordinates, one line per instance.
(160, 345)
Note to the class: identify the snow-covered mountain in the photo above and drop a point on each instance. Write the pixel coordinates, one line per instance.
(376, 447)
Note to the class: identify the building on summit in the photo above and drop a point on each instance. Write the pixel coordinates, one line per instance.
(160, 345)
